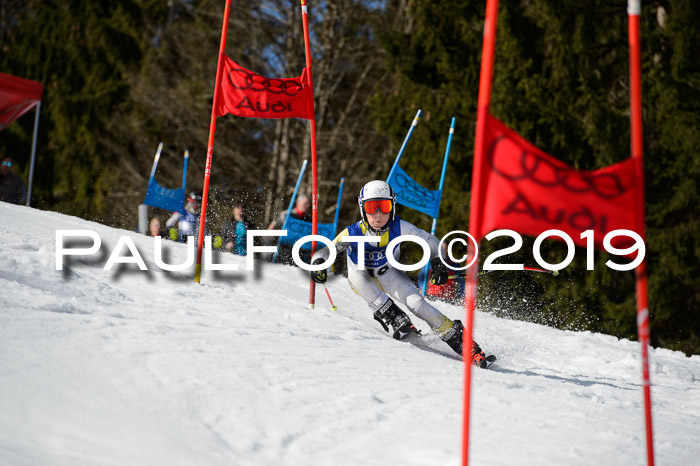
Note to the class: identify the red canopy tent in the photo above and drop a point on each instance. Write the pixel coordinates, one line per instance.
(17, 97)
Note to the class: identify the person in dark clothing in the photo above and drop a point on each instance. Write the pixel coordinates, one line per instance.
(301, 211)
(12, 187)
(234, 231)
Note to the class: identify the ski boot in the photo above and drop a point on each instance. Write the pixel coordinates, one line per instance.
(453, 336)
(391, 314)
(478, 357)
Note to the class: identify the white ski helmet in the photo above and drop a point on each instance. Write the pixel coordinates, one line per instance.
(194, 198)
(376, 190)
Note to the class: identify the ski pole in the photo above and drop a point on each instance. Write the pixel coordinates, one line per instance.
(333, 306)
(525, 269)
(533, 269)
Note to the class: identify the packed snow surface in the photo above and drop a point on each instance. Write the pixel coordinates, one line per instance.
(148, 368)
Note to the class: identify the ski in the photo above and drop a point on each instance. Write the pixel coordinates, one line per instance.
(409, 333)
(406, 331)
(490, 359)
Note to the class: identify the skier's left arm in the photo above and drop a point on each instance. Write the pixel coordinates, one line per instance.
(410, 229)
(440, 271)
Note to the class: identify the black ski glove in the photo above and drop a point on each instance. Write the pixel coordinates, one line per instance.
(441, 274)
(319, 276)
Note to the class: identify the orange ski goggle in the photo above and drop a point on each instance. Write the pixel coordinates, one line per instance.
(382, 205)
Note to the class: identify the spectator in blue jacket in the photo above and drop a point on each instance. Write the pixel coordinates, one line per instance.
(235, 228)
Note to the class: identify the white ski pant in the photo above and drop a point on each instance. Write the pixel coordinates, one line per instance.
(395, 283)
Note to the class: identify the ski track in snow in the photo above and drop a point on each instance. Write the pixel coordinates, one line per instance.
(133, 367)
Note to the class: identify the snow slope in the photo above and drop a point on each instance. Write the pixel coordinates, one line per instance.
(148, 368)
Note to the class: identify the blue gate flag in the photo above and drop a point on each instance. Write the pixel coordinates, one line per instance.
(164, 198)
(411, 194)
(423, 276)
(297, 229)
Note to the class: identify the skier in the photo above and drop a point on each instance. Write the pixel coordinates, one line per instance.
(187, 221)
(301, 211)
(380, 282)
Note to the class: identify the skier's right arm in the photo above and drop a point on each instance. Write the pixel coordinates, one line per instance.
(321, 255)
(173, 219)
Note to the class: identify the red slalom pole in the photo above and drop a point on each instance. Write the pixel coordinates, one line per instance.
(210, 145)
(314, 167)
(634, 9)
(475, 209)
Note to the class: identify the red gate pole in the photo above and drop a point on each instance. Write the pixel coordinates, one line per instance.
(475, 209)
(210, 145)
(314, 167)
(634, 8)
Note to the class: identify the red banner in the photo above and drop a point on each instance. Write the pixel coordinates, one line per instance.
(247, 94)
(530, 192)
(17, 97)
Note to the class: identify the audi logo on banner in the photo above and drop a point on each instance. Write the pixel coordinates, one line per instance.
(414, 192)
(256, 83)
(544, 173)
(248, 94)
